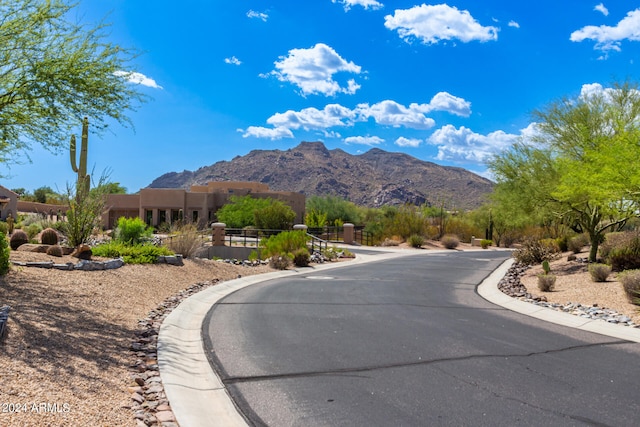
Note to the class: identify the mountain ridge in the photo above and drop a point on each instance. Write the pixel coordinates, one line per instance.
(374, 178)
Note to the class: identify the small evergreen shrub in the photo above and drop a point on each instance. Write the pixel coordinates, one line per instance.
(416, 241)
(131, 254)
(280, 262)
(49, 236)
(4, 254)
(132, 231)
(253, 256)
(546, 282)
(450, 241)
(54, 250)
(485, 243)
(630, 281)
(18, 238)
(624, 254)
(563, 243)
(534, 251)
(4, 228)
(301, 257)
(599, 272)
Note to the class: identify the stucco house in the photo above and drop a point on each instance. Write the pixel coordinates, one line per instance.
(8, 203)
(198, 204)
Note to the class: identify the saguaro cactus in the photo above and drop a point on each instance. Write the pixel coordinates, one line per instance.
(83, 182)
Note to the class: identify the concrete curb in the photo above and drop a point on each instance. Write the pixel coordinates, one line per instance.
(488, 289)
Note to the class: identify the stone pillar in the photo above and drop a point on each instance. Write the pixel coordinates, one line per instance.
(217, 237)
(349, 236)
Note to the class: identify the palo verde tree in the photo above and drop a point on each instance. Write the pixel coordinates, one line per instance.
(582, 168)
(53, 72)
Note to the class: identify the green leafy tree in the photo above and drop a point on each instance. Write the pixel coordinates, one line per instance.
(583, 169)
(335, 208)
(53, 72)
(240, 211)
(276, 216)
(112, 188)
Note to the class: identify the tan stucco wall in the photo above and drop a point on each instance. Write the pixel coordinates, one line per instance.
(11, 206)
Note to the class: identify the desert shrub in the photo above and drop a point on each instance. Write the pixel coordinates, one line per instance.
(534, 251)
(131, 254)
(563, 243)
(485, 243)
(577, 243)
(280, 262)
(49, 236)
(4, 254)
(132, 230)
(301, 257)
(462, 228)
(185, 241)
(450, 241)
(4, 228)
(284, 243)
(54, 250)
(546, 282)
(599, 272)
(33, 229)
(19, 237)
(253, 256)
(416, 241)
(631, 284)
(622, 259)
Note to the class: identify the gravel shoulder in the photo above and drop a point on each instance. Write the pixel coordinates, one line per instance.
(69, 334)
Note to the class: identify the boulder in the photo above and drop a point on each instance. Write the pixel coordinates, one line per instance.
(82, 252)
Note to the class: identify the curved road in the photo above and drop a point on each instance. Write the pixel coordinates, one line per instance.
(408, 341)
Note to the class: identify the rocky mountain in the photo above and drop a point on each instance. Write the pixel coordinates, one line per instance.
(375, 178)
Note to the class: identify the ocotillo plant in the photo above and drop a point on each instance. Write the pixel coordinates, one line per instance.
(83, 182)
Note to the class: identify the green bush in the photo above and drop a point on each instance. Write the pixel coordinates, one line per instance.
(622, 250)
(563, 243)
(4, 227)
(33, 229)
(616, 240)
(534, 251)
(284, 243)
(416, 241)
(630, 280)
(485, 243)
(599, 272)
(301, 257)
(132, 231)
(546, 282)
(4, 254)
(450, 241)
(18, 238)
(275, 216)
(131, 254)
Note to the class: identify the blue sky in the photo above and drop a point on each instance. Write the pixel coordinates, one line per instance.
(450, 83)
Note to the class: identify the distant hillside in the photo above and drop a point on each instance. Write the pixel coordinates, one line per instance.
(375, 178)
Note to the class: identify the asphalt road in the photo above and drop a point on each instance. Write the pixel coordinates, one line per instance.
(409, 342)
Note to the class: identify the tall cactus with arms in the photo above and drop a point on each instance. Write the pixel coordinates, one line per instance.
(83, 182)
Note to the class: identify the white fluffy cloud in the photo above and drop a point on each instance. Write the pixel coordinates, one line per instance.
(385, 113)
(333, 115)
(609, 38)
(367, 4)
(364, 140)
(233, 60)
(313, 70)
(602, 9)
(257, 15)
(514, 24)
(464, 145)
(390, 113)
(137, 78)
(270, 133)
(408, 142)
(433, 23)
